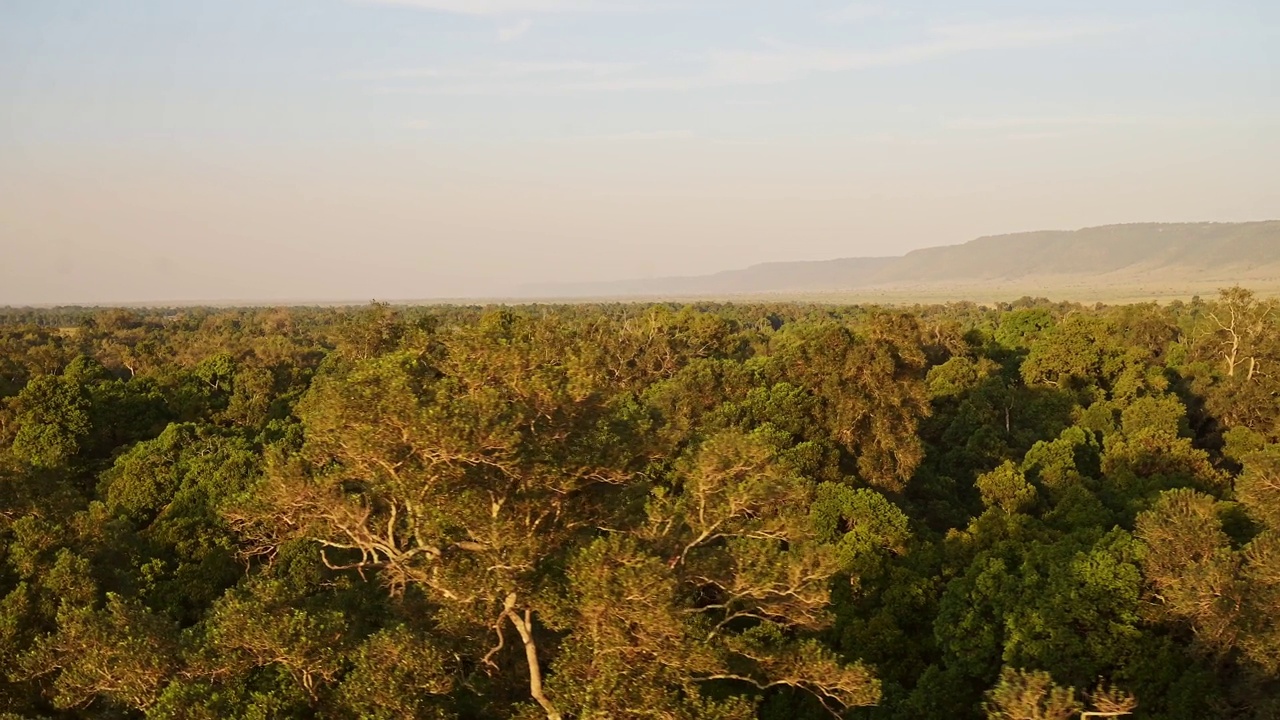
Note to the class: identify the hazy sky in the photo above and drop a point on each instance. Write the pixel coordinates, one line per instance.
(395, 149)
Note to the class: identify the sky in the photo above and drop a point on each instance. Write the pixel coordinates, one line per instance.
(293, 150)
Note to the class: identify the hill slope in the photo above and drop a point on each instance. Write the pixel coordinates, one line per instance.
(1197, 248)
(1170, 255)
(818, 275)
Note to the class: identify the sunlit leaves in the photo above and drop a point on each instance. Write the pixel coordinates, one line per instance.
(1021, 695)
(122, 653)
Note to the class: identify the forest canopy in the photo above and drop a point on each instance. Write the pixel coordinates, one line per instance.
(1026, 511)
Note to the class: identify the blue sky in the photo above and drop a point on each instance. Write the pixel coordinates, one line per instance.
(412, 148)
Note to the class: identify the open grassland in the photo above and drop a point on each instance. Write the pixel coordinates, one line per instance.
(1058, 289)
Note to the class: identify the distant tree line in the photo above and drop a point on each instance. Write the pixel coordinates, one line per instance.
(1028, 511)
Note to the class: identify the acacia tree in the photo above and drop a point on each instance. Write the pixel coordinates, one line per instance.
(53, 421)
(726, 581)
(1230, 598)
(1109, 701)
(472, 473)
(122, 652)
(870, 390)
(1022, 695)
(1240, 322)
(455, 478)
(1258, 486)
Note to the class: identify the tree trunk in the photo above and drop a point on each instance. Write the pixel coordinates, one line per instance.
(524, 626)
(1232, 356)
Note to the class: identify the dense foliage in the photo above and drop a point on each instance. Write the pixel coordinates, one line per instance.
(624, 511)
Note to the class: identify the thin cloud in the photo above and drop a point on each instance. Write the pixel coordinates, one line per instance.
(1016, 34)
(737, 67)
(1035, 136)
(497, 71)
(638, 136)
(855, 13)
(508, 7)
(511, 32)
(741, 142)
(399, 74)
(784, 63)
(1019, 122)
(599, 69)
(894, 139)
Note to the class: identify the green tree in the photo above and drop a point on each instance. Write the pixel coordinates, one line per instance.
(53, 420)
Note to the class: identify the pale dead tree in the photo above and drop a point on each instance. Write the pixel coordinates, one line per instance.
(1240, 320)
